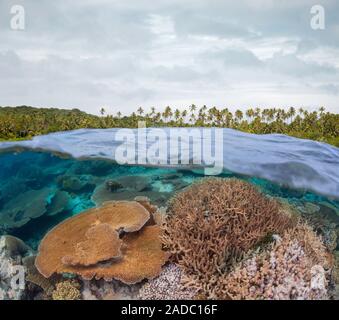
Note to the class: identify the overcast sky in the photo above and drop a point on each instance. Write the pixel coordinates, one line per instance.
(123, 54)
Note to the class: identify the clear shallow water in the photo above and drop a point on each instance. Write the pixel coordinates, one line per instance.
(296, 163)
(39, 189)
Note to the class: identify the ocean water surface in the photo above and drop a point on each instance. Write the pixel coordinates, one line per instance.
(52, 177)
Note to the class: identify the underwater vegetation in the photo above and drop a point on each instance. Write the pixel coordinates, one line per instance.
(95, 230)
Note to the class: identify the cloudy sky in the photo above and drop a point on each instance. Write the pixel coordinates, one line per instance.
(123, 54)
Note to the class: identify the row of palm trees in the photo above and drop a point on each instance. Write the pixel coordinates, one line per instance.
(216, 116)
(25, 122)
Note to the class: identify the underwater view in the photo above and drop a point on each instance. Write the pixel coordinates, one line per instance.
(50, 184)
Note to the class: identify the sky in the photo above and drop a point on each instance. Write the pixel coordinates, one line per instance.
(123, 54)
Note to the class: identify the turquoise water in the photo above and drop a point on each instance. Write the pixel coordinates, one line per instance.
(39, 189)
(296, 163)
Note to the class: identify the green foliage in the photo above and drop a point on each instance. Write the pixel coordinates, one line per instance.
(25, 122)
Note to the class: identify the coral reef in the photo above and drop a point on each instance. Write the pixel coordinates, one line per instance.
(12, 251)
(292, 268)
(211, 225)
(67, 290)
(167, 286)
(89, 245)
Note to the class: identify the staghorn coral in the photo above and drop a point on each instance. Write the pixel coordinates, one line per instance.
(67, 290)
(292, 268)
(69, 238)
(211, 225)
(167, 286)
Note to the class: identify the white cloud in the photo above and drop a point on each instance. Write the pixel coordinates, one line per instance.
(124, 54)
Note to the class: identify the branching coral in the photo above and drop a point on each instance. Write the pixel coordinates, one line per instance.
(293, 268)
(89, 245)
(214, 222)
(67, 290)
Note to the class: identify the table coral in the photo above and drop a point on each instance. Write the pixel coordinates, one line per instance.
(102, 244)
(69, 238)
(88, 245)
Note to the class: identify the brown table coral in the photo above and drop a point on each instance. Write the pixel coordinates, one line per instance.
(94, 244)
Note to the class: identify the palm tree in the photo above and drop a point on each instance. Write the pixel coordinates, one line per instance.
(167, 114)
(102, 111)
(239, 116)
(250, 113)
(140, 111)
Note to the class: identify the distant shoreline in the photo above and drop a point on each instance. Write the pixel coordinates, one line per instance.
(23, 122)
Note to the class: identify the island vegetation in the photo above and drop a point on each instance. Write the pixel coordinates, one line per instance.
(24, 122)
